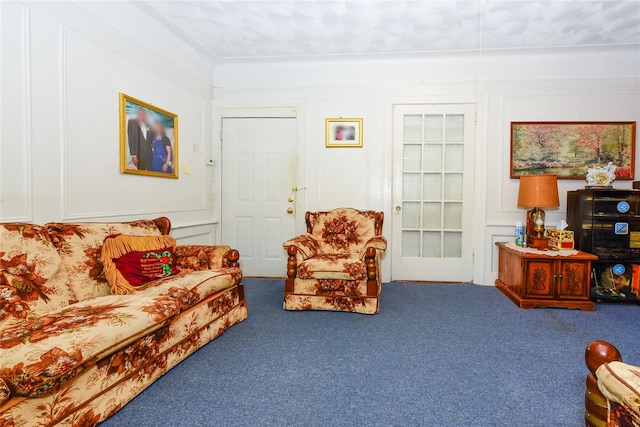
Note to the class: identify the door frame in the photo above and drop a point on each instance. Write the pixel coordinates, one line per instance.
(258, 110)
(480, 243)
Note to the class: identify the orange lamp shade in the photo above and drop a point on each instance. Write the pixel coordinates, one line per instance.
(538, 191)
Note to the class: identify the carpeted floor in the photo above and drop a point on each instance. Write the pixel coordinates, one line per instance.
(436, 355)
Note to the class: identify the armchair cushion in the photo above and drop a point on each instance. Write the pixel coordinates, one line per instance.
(333, 266)
(342, 230)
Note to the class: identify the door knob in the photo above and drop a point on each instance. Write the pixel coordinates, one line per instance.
(289, 210)
(398, 208)
(290, 199)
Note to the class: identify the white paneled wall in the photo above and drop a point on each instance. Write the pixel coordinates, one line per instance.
(63, 66)
(583, 84)
(16, 167)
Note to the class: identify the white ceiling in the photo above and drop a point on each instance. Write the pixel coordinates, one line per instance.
(240, 30)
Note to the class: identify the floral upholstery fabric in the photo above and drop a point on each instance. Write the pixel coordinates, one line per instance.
(33, 280)
(195, 257)
(333, 266)
(330, 270)
(620, 384)
(342, 230)
(62, 342)
(79, 246)
(332, 303)
(329, 287)
(65, 362)
(307, 244)
(5, 392)
(102, 388)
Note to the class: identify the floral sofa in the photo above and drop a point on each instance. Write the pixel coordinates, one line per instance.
(335, 265)
(612, 395)
(71, 353)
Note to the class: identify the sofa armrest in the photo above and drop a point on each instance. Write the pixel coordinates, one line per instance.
(620, 383)
(201, 257)
(378, 243)
(597, 355)
(307, 246)
(164, 225)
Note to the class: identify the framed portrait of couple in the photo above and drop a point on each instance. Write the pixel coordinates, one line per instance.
(148, 139)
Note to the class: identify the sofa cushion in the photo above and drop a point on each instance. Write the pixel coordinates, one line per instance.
(41, 354)
(200, 257)
(80, 245)
(131, 261)
(333, 266)
(33, 280)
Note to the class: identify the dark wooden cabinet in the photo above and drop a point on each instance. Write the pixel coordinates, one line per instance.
(607, 223)
(536, 280)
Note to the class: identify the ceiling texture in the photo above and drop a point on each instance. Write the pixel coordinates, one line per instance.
(242, 30)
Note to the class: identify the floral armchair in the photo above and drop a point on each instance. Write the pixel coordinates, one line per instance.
(335, 265)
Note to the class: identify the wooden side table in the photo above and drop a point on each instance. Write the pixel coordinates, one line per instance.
(533, 280)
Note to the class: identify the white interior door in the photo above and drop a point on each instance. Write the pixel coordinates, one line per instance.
(258, 178)
(433, 149)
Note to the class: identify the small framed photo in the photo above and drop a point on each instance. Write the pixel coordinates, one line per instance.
(148, 139)
(343, 133)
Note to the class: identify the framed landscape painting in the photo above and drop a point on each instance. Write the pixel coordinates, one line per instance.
(148, 139)
(568, 149)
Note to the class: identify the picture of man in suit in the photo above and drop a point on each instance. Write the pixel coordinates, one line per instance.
(140, 138)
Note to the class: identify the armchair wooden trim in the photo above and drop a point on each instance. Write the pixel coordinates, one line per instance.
(292, 269)
(372, 272)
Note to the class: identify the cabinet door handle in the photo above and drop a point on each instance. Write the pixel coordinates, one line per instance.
(560, 276)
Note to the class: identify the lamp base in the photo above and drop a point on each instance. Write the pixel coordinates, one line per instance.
(537, 242)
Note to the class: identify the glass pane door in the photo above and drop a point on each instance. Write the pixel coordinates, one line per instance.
(432, 189)
(432, 185)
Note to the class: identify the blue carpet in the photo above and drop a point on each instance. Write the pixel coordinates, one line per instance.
(436, 355)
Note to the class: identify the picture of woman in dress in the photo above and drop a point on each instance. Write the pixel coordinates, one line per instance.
(162, 154)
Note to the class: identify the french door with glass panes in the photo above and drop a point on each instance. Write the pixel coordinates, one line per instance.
(433, 185)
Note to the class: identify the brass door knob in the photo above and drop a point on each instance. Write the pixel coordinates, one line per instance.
(290, 199)
(289, 210)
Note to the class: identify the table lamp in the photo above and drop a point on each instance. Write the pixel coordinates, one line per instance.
(537, 192)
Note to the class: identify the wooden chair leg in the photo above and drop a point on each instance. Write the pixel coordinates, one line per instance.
(596, 408)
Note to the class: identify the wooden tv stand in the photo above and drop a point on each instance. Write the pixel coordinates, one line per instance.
(538, 280)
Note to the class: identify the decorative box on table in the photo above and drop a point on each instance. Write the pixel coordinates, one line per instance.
(560, 239)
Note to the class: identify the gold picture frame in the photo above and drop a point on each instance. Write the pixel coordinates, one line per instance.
(148, 139)
(343, 133)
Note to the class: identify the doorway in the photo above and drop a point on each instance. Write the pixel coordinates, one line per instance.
(433, 182)
(258, 191)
